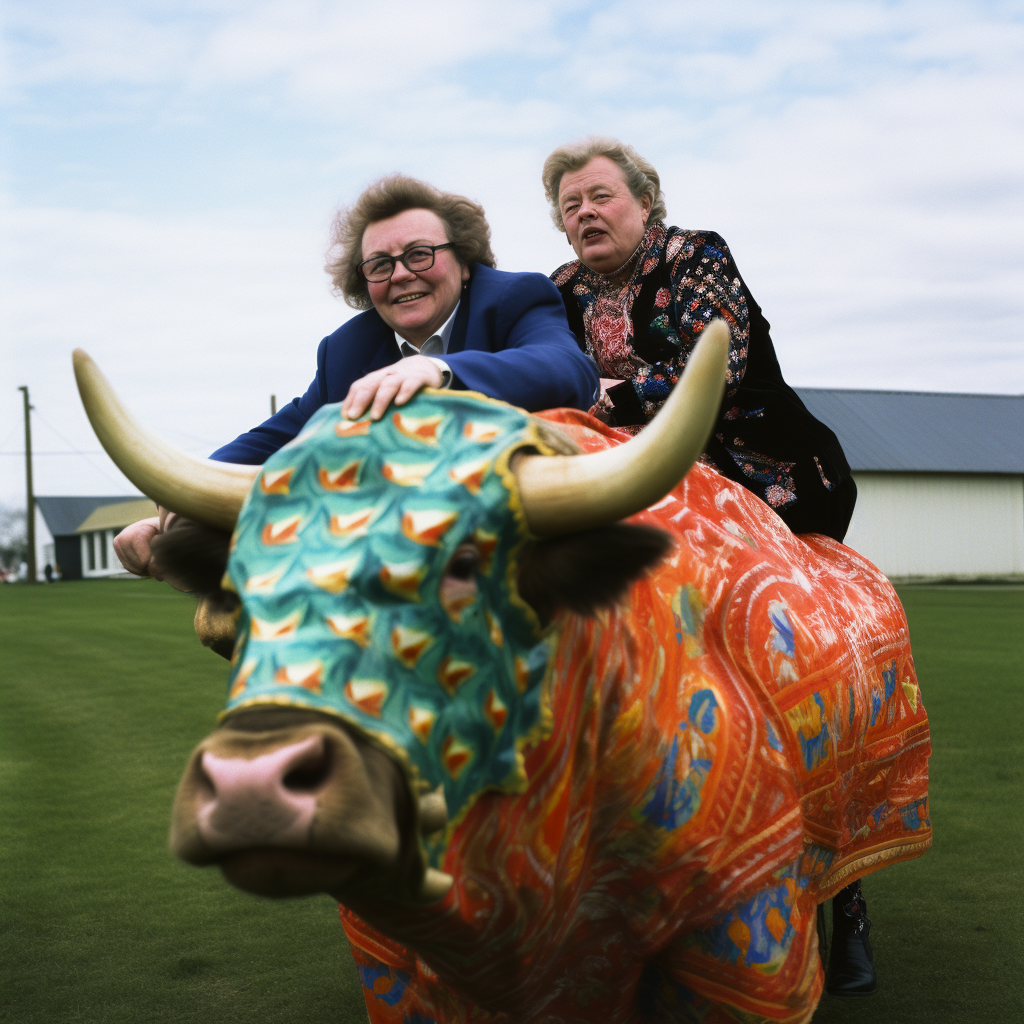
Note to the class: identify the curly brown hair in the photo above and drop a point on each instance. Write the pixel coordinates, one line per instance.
(465, 226)
(641, 177)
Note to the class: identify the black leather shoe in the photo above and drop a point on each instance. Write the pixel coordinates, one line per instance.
(851, 967)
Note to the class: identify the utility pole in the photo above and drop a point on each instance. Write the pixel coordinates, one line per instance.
(30, 512)
(273, 405)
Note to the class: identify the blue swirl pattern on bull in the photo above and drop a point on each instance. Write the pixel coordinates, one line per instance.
(339, 556)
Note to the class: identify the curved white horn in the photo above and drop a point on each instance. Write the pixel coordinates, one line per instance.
(565, 493)
(206, 491)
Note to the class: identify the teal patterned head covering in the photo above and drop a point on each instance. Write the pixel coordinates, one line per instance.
(338, 557)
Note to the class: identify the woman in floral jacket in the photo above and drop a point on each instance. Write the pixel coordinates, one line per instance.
(637, 299)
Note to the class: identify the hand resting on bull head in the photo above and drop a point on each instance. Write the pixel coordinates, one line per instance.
(291, 802)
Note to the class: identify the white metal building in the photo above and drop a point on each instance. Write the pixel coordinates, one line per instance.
(940, 479)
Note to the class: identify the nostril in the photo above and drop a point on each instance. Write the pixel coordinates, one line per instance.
(202, 778)
(311, 772)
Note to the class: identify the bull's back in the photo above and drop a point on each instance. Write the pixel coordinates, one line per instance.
(738, 738)
(818, 635)
(826, 647)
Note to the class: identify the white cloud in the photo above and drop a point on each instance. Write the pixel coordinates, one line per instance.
(864, 160)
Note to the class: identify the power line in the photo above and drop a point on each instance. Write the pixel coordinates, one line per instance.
(78, 451)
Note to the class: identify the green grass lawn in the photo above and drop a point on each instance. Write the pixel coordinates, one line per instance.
(104, 691)
(947, 927)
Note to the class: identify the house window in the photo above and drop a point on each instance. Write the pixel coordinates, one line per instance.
(101, 539)
(91, 550)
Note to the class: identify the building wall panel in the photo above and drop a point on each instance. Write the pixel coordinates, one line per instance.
(104, 560)
(940, 524)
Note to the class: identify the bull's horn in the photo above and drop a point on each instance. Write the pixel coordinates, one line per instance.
(206, 491)
(563, 493)
(435, 885)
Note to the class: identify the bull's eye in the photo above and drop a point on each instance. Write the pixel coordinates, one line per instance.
(464, 563)
(458, 588)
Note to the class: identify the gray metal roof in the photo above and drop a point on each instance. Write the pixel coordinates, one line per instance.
(64, 515)
(923, 431)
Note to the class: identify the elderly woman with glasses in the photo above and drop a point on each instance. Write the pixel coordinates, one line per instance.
(637, 297)
(418, 262)
(435, 313)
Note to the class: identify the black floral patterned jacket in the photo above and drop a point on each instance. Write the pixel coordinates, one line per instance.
(642, 332)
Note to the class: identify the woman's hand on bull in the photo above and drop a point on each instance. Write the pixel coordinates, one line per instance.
(398, 383)
(134, 546)
(603, 408)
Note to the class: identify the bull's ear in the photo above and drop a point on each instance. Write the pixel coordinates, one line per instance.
(588, 570)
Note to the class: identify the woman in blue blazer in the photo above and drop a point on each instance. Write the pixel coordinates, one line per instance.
(436, 313)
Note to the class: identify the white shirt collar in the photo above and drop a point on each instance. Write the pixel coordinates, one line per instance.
(444, 333)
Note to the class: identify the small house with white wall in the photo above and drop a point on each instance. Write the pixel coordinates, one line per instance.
(99, 529)
(58, 542)
(940, 480)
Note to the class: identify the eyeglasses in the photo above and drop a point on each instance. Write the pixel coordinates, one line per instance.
(380, 268)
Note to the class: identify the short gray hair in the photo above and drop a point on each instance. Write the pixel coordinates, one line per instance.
(641, 177)
(464, 224)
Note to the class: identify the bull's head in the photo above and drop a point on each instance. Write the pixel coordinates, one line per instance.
(379, 566)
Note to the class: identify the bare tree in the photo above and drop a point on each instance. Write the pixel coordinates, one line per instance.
(13, 541)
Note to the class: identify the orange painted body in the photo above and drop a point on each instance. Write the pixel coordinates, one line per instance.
(732, 745)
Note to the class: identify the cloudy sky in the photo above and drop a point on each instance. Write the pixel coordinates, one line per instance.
(169, 170)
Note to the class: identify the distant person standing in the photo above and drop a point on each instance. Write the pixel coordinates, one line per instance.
(48, 573)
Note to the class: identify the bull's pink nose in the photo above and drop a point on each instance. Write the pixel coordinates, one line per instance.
(262, 801)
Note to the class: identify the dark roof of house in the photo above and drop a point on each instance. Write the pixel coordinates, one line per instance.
(64, 515)
(923, 431)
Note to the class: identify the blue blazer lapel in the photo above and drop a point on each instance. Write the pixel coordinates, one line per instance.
(386, 351)
(460, 329)
(356, 349)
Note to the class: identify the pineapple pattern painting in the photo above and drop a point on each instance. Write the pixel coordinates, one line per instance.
(339, 555)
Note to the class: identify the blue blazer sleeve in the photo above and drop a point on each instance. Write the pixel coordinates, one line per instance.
(518, 345)
(254, 447)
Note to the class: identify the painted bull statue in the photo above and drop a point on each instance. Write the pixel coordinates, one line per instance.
(554, 766)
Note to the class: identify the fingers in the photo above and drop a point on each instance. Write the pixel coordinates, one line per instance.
(396, 383)
(360, 394)
(166, 517)
(409, 388)
(133, 546)
(386, 390)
